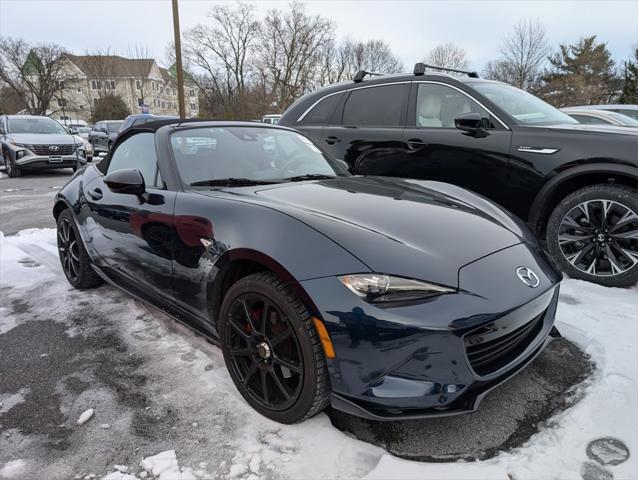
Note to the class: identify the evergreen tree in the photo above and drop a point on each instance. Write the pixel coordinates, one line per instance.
(580, 74)
(109, 107)
(630, 85)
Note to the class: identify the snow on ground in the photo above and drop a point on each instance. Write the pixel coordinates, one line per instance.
(602, 321)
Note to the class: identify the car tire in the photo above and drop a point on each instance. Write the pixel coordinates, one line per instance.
(74, 259)
(591, 246)
(262, 349)
(10, 167)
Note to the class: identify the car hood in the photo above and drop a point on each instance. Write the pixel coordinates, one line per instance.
(42, 138)
(579, 127)
(417, 229)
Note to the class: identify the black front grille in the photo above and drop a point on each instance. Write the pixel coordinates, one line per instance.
(48, 151)
(488, 354)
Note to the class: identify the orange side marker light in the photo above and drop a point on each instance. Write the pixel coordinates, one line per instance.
(324, 337)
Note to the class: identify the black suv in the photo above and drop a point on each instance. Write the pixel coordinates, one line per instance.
(574, 184)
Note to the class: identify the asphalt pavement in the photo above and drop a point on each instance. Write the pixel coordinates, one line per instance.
(49, 364)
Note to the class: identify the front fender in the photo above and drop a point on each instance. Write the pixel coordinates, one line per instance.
(568, 173)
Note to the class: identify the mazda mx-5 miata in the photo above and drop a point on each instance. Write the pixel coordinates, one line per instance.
(387, 298)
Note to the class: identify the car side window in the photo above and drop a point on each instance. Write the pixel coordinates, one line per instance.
(438, 105)
(321, 113)
(137, 152)
(375, 106)
(586, 119)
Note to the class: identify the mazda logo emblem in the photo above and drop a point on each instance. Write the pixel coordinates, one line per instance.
(54, 148)
(528, 277)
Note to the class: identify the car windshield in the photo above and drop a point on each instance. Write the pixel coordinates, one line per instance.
(41, 125)
(247, 154)
(522, 106)
(83, 129)
(113, 127)
(629, 112)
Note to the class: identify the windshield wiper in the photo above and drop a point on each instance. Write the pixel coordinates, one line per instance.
(234, 182)
(308, 176)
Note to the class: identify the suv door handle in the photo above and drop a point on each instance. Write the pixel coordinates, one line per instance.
(415, 144)
(95, 193)
(332, 140)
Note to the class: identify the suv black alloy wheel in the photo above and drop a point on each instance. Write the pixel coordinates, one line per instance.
(593, 233)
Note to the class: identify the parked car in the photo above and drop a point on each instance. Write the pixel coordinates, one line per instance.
(600, 117)
(83, 132)
(140, 118)
(271, 119)
(320, 287)
(628, 110)
(103, 135)
(88, 148)
(32, 142)
(574, 184)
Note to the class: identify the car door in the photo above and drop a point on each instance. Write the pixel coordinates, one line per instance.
(132, 234)
(366, 130)
(97, 135)
(436, 150)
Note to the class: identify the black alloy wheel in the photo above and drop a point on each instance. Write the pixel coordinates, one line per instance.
(69, 249)
(75, 262)
(595, 234)
(271, 349)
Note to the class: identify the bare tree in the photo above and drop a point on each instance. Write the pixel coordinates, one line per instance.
(223, 50)
(32, 72)
(523, 53)
(290, 51)
(372, 56)
(448, 55)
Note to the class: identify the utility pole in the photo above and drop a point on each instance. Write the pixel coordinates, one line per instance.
(178, 61)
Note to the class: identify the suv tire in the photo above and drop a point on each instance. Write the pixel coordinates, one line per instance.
(593, 234)
(10, 166)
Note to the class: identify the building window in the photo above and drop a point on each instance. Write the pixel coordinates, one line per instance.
(93, 85)
(99, 84)
(61, 102)
(95, 102)
(161, 89)
(140, 102)
(138, 85)
(79, 90)
(193, 106)
(163, 104)
(191, 93)
(61, 85)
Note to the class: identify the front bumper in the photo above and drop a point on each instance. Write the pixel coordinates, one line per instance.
(33, 162)
(413, 360)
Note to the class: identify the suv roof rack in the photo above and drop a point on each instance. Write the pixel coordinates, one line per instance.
(419, 69)
(361, 74)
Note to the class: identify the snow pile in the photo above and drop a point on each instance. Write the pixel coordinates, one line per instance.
(13, 469)
(85, 416)
(165, 465)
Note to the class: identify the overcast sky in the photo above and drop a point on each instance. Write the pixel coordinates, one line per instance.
(411, 28)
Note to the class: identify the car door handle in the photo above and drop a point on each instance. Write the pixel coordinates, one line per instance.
(95, 193)
(332, 140)
(416, 144)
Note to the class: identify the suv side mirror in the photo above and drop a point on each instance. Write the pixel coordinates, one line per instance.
(471, 122)
(343, 164)
(128, 181)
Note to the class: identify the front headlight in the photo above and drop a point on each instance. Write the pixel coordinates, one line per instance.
(375, 287)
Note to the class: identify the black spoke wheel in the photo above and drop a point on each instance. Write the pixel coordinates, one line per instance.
(75, 262)
(69, 250)
(594, 234)
(271, 349)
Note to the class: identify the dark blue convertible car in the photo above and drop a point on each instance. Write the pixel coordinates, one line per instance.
(387, 298)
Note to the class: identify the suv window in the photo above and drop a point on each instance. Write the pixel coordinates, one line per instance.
(320, 114)
(375, 106)
(438, 105)
(137, 152)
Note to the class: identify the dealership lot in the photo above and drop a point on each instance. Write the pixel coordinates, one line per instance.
(155, 386)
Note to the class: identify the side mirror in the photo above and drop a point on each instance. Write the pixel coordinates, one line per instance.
(471, 122)
(73, 130)
(126, 181)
